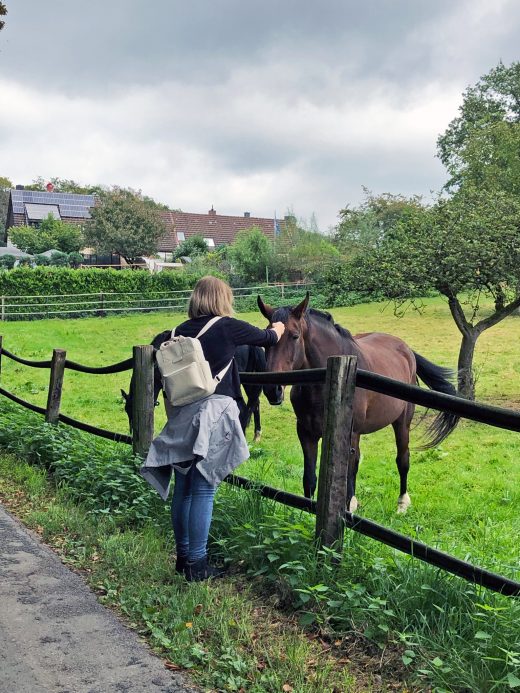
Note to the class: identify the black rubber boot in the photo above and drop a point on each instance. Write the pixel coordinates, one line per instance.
(196, 571)
(180, 564)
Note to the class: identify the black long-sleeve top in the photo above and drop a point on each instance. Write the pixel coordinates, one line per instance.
(219, 344)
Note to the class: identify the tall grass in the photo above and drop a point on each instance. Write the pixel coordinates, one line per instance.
(465, 497)
(448, 634)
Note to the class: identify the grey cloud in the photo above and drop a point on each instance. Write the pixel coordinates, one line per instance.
(101, 45)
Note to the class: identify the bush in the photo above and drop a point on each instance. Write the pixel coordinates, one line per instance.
(59, 259)
(7, 261)
(42, 281)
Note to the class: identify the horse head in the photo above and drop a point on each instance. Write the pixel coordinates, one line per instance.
(289, 353)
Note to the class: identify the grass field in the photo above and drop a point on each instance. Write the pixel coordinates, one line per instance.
(420, 626)
(465, 494)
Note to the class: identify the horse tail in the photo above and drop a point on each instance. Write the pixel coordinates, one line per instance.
(439, 379)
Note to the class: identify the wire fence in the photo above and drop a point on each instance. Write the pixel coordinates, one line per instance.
(102, 303)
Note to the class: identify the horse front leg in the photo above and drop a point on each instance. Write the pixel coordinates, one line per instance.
(352, 502)
(309, 445)
(258, 424)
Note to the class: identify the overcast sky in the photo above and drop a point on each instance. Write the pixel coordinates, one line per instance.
(246, 106)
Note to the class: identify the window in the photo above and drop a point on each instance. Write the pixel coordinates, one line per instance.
(36, 213)
(210, 242)
(180, 236)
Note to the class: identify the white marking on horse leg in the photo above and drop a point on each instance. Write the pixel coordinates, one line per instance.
(403, 503)
(353, 504)
(258, 435)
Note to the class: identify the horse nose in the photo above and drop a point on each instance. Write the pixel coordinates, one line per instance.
(279, 392)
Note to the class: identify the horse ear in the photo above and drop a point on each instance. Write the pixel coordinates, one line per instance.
(300, 309)
(266, 310)
(125, 396)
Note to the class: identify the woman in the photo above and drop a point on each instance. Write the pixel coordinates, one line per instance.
(203, 441)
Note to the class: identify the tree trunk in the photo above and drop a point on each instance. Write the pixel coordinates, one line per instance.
(466, 380)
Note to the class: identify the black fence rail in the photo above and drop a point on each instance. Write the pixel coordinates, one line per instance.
(329, 508)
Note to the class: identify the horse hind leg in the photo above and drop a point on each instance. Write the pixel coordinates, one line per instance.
(402, 440)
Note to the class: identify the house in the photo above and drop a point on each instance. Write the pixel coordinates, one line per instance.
(31, 207)
(216, 229)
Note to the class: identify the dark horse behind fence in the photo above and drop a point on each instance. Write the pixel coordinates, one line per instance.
(310, 337)
(248, 358)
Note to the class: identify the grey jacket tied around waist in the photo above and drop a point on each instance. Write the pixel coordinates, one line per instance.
(207, 431)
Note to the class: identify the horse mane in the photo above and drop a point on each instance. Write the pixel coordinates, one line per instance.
(160, 338)
(282, 315)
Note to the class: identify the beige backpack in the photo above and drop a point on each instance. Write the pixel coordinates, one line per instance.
(186, 375)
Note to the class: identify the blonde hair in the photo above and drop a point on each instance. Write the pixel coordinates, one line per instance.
(211, 296)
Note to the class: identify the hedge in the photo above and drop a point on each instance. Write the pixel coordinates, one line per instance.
(44, 281)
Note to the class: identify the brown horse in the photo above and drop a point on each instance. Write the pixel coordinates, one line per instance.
(310, 337)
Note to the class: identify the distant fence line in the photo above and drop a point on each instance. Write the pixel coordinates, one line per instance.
(105, 303)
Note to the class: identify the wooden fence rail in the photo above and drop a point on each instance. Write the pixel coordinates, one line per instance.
(340, 379)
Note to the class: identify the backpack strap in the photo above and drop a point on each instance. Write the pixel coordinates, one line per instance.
(223, 372)
(206, 327)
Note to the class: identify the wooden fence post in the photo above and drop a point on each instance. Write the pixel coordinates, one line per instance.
(142, 403)
(52, 414)
(340, 385)
(3, 308)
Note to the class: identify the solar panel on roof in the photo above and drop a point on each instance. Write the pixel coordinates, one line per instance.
(37, 212)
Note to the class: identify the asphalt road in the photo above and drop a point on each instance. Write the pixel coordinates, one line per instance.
(55, 636)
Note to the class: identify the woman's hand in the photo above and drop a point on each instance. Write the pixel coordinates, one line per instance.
(279, 328)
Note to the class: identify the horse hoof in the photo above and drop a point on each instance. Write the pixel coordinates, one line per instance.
(257, 437)
(353, 504)
(403, 503)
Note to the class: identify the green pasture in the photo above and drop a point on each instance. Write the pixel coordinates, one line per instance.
(465, 495)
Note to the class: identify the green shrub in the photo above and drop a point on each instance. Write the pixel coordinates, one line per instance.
(59, 259)
(43, 281)
(7, 261)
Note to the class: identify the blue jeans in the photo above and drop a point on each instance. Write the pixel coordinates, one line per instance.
(192, 509)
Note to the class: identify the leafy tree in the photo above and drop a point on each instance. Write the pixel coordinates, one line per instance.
(193, 246)
(365, 227)
(66, 185)
(65, 237)
(5, 186)
(481, 145)
(124, 223)
(250, 254)
(305, 252)
(28, 239)
(52, 234)
(468, 249)
(3, 12)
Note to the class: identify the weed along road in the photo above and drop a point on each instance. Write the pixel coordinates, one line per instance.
(56, 638)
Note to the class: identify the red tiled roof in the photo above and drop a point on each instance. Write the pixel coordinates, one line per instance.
(221, 228)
